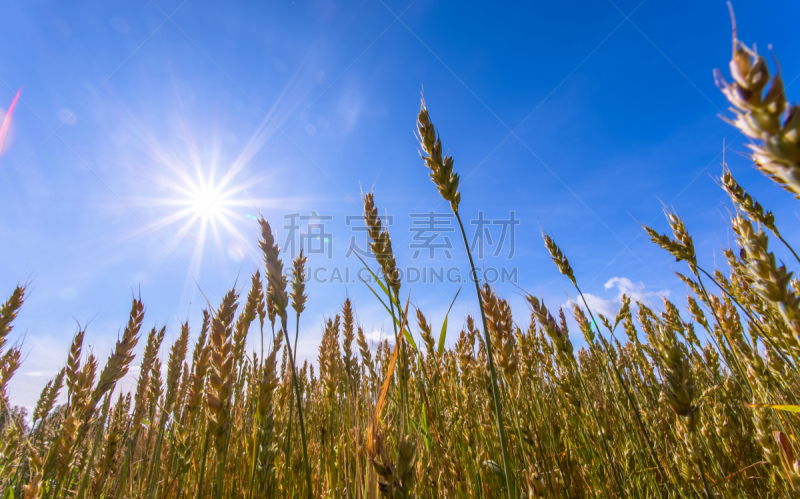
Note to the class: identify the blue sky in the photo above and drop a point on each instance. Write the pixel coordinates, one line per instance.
(581, 118)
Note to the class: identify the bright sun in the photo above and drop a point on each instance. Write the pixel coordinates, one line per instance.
(206, 202)
(202, 201)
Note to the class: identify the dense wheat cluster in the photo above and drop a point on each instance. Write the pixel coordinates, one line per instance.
(660, 403)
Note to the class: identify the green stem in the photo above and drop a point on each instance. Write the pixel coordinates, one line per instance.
(203, 465)
(287, 449)
(778, 235)
(624, 385)
(599, 428)
(156, 459)
(700, 464)
(765, 338)
(97, 442)
(299, 405)
(507, 464)
(130, 448)
(222, 461)
(402, 430)
(742, 372)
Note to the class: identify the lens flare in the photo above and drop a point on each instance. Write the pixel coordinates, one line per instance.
(7, 121)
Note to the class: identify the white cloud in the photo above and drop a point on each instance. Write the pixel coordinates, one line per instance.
(376, 337)
(597, 304)
(635, 291)
(623, 286)
(40, 373)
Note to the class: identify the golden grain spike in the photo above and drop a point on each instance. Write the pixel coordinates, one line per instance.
(176, 355)
(442, 174)
(117, 365)
(767, 118)
(299, 296)
(276, 289)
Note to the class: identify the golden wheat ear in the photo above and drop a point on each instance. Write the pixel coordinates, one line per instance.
(442, 173)
(767, 118)
(8, 312)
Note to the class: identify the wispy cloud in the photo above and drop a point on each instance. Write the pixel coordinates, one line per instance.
(375, 338)
(623, 286)
(40, 373)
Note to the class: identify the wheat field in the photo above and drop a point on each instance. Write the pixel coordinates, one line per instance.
(659, 404)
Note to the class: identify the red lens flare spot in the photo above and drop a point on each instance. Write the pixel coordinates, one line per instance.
(7, 121)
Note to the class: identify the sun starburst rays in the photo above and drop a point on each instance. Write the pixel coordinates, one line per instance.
(201, 200)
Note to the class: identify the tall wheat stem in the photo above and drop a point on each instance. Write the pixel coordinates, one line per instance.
(203, 463)
(507, 464)
(742, 372)
(299, 406)
(749, 315)
(288, 448)
(624, 385)
(702, 471)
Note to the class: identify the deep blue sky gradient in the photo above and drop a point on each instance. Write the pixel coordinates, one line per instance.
(582, 117)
